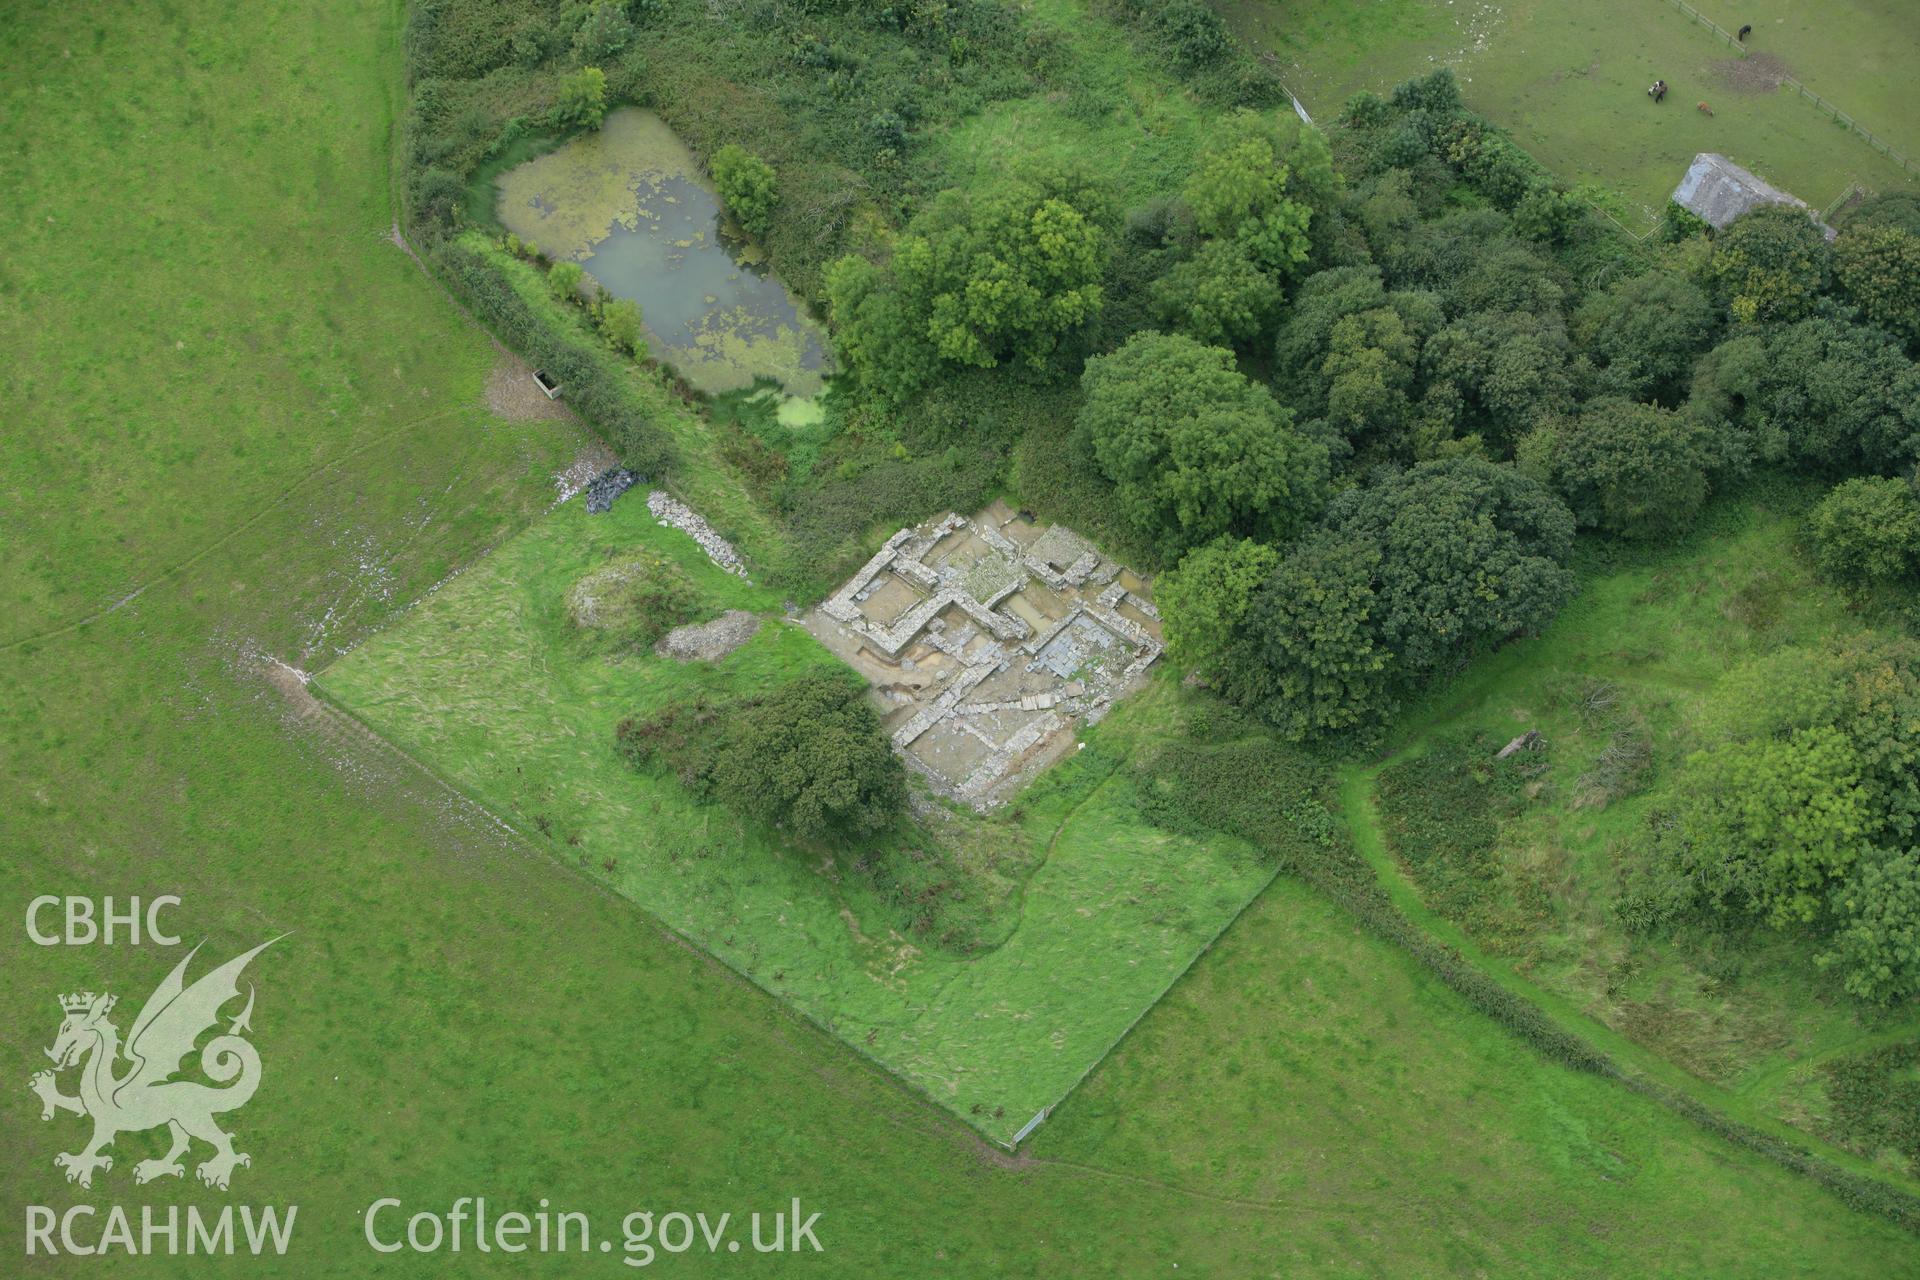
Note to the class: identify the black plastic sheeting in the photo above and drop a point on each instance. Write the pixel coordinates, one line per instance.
(608, 485)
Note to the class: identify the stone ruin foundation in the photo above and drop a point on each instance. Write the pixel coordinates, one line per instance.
(987, 640)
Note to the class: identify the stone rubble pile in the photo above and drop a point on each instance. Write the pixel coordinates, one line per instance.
(709, 641)
(608, 485)
(677, 515)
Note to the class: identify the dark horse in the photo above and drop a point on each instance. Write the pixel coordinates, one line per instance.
(1744, 32)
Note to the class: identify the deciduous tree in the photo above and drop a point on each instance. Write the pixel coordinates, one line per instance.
(1203, 601)
(1646, 331)
(1866, 531)
(1219, 295)
(1624, 467)
(1878, 267)
(1770, 264)
(582, 100)
(1193, 448)
(747, 187)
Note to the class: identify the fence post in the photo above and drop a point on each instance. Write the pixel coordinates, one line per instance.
(1832, 111)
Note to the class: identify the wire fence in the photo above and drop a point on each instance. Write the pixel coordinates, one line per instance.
(1873, 139)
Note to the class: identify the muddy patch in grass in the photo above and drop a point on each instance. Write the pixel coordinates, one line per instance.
(513, 395)
(1755, 73)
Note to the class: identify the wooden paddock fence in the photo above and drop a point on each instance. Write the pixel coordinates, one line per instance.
(1827, 107)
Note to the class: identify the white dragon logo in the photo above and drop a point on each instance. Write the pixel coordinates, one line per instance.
(144, 1097)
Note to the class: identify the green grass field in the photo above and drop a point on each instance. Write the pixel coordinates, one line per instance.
(487, 684)
(233, 396)
(1640, 656)
(1569, 81)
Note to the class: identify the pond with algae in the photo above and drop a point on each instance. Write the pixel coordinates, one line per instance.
(631, 206)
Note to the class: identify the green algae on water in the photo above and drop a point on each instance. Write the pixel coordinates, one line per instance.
(630, 205)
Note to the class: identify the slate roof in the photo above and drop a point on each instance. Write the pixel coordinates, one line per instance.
(1719, 190)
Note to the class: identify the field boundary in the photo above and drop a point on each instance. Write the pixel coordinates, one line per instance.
(340, 713)
(1826, 106)
(1460, 965)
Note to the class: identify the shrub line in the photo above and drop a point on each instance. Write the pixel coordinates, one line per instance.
(1356, 887)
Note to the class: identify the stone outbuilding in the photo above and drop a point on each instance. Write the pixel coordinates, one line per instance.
(1718, 190)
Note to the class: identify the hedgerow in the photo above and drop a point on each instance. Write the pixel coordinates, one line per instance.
(511, 299)
(1281, 801)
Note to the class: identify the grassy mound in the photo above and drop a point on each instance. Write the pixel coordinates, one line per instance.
(629, 603)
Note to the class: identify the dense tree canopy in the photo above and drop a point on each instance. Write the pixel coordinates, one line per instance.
(1832, 397)
(1866, 531)
(1204, 599)
(981, 278)
(1646, 331)
(808, 755)
(582, 99)
(1239, 192)
(1505, 371)
(1350, 352)
(1771, 821)
(1802, 808)
(1625, 467)
(1194, 449)
(1219, 295)
(1472, 554)
(1876, 945)
(1878, 268)
(1770, 264)
(1417, 570)
(1309, 657)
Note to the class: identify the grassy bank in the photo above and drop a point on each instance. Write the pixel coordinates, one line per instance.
(1524, 860)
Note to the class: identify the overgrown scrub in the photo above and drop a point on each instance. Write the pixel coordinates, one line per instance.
(1802, 810)
(808, 755)
(1280, 799)
(834, 523)
(834, 97)
(1442, 811)
(626, 605)
(1196, 787)
(1212, 785)
(1875, 1103)
(1193, 41)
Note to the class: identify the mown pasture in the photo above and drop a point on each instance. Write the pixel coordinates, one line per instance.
(1569, 81)
(272, 426)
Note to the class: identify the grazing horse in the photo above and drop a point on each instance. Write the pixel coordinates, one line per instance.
(1744, 32)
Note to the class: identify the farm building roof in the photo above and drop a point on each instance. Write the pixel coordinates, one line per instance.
(1719, 190)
